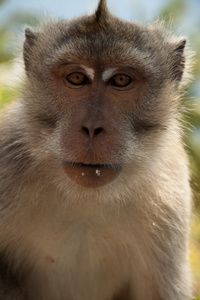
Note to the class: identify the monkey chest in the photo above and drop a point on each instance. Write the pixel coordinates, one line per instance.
(75, 265)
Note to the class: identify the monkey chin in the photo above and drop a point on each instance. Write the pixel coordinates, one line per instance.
(91, 175)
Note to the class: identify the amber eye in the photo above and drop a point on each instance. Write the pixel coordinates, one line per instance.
(77, 78)
(120, 80)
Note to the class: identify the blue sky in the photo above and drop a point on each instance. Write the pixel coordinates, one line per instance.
(69, 9)
(139, 10)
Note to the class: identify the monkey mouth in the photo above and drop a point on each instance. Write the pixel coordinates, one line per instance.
(91, 175)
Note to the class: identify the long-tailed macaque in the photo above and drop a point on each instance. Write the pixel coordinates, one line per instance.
(94, 181)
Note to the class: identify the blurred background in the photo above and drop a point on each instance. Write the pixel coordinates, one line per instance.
(182, 15)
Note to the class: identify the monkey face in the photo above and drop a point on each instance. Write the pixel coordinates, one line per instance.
(100, 82)
(94, 100)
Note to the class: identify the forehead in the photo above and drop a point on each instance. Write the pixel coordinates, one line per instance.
(102, 55)
(88, 39)
(118, 43)
(98, 50)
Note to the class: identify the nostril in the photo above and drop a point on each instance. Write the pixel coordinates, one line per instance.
(98, 130)
(86, 130)
(92, 131)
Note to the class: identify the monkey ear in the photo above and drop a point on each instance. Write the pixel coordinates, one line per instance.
(30, 36)
(30, 40)
(179, 59)
(102, 10)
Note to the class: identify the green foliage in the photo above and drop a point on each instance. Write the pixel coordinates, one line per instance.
(174, 10)
(7, 94)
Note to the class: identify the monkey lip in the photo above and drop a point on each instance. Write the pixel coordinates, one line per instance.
(91, 175)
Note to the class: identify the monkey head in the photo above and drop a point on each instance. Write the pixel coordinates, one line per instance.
(108, 91)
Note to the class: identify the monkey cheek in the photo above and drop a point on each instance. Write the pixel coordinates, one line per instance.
(91, 176)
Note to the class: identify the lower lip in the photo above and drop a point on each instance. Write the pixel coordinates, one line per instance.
(91, 176)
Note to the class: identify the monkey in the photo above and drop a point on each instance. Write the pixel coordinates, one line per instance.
(95, 200)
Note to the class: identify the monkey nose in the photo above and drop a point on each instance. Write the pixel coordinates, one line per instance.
(92, 131)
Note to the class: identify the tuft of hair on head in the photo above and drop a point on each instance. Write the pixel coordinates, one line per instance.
(102, 11)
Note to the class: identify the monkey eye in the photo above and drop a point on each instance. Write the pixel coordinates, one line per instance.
(77, 78)
(120, 80)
